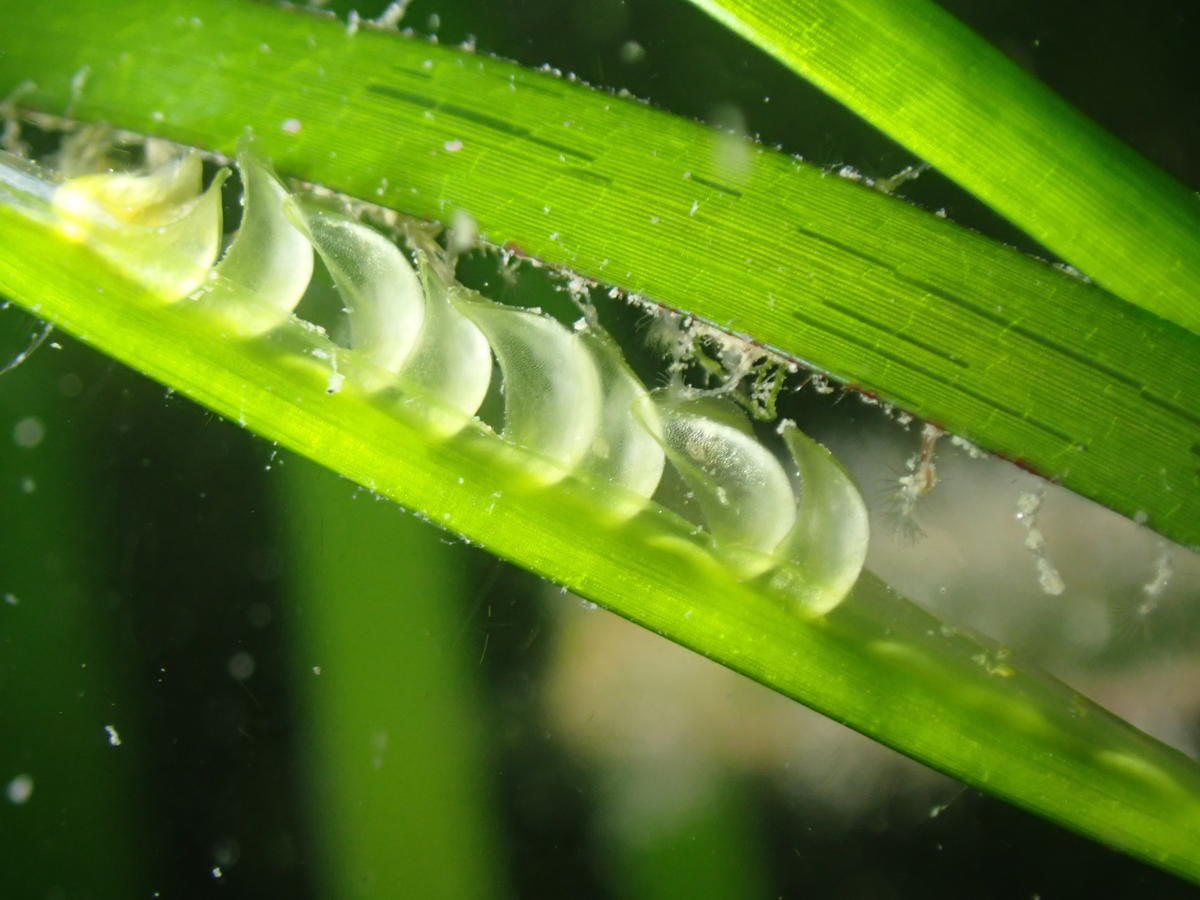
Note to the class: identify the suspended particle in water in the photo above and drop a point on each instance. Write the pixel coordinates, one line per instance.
(19, 790)
(1152, 590)
(1028, 505)
(918, 481)
(29, 432)
(632, 53)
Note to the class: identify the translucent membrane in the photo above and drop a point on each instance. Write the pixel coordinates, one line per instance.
(383, 298)
(829, 540)
(452, 361)
(268, 257)
(742, 489)
(552, 397)
(626, 450)
(156, 226)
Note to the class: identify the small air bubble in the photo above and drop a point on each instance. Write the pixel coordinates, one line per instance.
(291, 126)
(452, 146)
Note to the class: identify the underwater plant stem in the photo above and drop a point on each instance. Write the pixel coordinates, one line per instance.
(876, 663)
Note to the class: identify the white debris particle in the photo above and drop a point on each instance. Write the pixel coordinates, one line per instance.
(1152, 590)
(452, 146)
(464, 231)
(19, 790)
(695, 206)
(392, 14)
(352, 22)
(316, 670)
(335, 382)
(1035, 541)
(29, 432)
(216, 872)
(966, 446)
(1028, 505)
(78, 81)
(632, 52)
(11, 599)
(1048, 578)
(28, 485)
(240, 666)
(114, 739)
(291, 126)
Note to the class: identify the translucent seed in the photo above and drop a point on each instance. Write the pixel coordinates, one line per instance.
(627, 450)
(742, 489)
(452, 361)
(155, 226)
(267, 267)
(828, 543)
(551, 386)
(382, 296)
